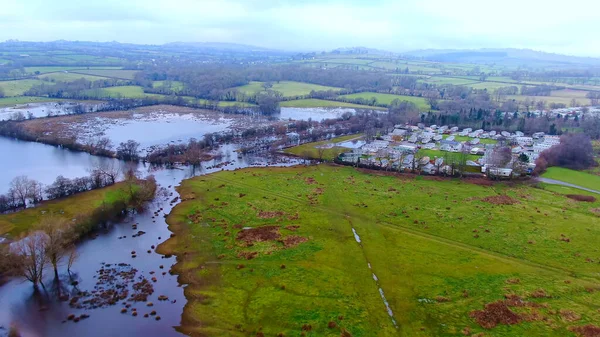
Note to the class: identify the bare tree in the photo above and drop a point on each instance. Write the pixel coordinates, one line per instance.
(128, 150)
(109, 170)
(72, 257)
(321, 152)
(540, 105)
(30, 252)
(59, 239)
(24, 189)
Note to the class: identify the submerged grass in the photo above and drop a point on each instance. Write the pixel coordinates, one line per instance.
(440, 252)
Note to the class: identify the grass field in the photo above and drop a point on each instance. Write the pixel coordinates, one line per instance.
(175, 86)
(115, 73)
(68, 77)
(448, 80)
(448, 156)
(321, 103)
(550, 99)
(50, 69)
(10, 101)
(388, 98)
(127, 91)
(18, 87)
(286, 88)
(77, 206)
(579, 178)
(311, 150)
(466, 139)
(440, 249)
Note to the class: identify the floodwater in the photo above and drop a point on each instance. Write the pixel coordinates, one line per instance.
(35, 316)
(43, 162)
(38, 110)
(156, 129)
(315, 114)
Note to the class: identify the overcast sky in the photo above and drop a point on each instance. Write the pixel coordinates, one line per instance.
(569, 27)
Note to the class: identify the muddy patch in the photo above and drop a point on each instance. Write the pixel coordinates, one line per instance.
(500, 200)
(259, 234)
(494, 314)
(586, 330)
(270, 215)
(293, 241)
(579, 197)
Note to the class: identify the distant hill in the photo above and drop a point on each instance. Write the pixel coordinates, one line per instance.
(508, 55)
(232, 47)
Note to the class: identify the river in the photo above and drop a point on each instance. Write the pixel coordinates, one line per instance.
(35, 317)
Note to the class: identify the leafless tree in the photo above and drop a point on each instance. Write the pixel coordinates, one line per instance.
(540, 105)
(24, 189)
(59, 240)
(71, 258)
(500, 156)
(109, 170)
(30, 252)
(321, 152)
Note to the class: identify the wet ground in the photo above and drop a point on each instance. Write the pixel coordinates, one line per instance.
(44, 315)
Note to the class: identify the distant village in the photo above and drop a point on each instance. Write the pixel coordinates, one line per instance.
(450, 151)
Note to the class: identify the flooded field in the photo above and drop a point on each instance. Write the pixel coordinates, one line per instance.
(44, 315)
(155, 128)
(43, 162)
(40, 110)
(315, 114)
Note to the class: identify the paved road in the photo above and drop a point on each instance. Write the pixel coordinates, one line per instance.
(558, 182)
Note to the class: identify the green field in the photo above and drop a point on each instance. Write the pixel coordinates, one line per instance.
(490, 86)
(10, 101)
(127, 91)
(114, 73)
(466, 139)
(68, 77)
(51, 69)
(441, 250)
(222, 103)
(439, 80)
(321, 103)
(311, 150)
(578, 178)
(79, 206)
(549, 99)
(388, 98)
(175, 86)
(448, 156)
(18, 87)
(286, 88)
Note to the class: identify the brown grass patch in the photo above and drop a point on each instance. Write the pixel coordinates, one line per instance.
(259, 234)
(292, 228)
(586, 330)
(270, 215)
(495, 313)
(500, 200)
(579, 197)
(479, 181)
(540, 293)
(247, 255)
(293, 240)
(569, 315)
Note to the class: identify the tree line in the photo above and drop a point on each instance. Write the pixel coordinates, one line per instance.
(25, 192)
